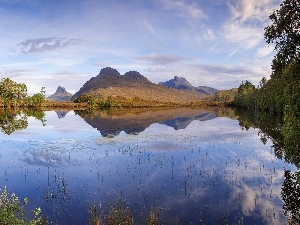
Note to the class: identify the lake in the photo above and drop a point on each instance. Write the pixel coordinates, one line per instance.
(189, 166)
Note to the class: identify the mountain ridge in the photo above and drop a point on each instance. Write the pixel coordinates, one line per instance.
(180, 83)
(132, 86)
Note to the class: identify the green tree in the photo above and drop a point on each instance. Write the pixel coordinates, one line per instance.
(245, 97)
(37, 99)
(12, 93)
(284, 31)
(85, 98)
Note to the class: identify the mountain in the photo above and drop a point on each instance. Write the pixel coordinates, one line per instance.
(132, 86)
(181, 83)
(109, 77)
(60, 95)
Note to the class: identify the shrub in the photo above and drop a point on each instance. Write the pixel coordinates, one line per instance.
(12, 211)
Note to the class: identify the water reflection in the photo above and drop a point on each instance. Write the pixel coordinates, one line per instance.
(284, 135)
(13, 120)
(135, 121)
(211, 172)
(273, 128)
(291, 197)
(61, 113)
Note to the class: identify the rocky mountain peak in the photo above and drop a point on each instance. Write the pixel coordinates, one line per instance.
(181, 83)
(135, 75)
(108, 71)
(60, 95)
(178, 83)
(60, 89)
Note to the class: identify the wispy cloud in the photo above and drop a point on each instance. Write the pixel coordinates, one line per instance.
(246, 37)
(66, 73)
(264, 51)
(162, 59)
(14, 72)
(41, 45)
(225, 69)
(190, 11)
(150, 29)
(209, 35)
(244, 28)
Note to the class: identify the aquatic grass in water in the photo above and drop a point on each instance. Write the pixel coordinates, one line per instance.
(211, 170)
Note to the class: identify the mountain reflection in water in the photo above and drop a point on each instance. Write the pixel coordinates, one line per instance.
(61, 113)
(136, 121)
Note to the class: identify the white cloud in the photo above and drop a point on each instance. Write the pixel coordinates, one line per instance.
(243, 10)
(244, 29)
(264, 51)
(248, 37)
(14, 72)
(209, 35)
(42, 45)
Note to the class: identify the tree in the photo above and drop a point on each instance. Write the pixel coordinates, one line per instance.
(12, 93)
(284, 32)
(85, 98)
(245, 97)
(37, 99)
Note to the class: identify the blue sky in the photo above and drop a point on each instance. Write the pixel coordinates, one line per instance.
(216, 43)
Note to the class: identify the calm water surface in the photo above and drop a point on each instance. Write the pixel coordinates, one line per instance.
(192, 166)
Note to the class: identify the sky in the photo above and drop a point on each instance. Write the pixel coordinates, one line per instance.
(215, 43)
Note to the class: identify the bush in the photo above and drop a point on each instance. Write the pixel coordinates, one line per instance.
(12, 211)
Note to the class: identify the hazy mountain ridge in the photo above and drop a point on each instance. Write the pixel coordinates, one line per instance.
(60, 95)
(181, 83)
